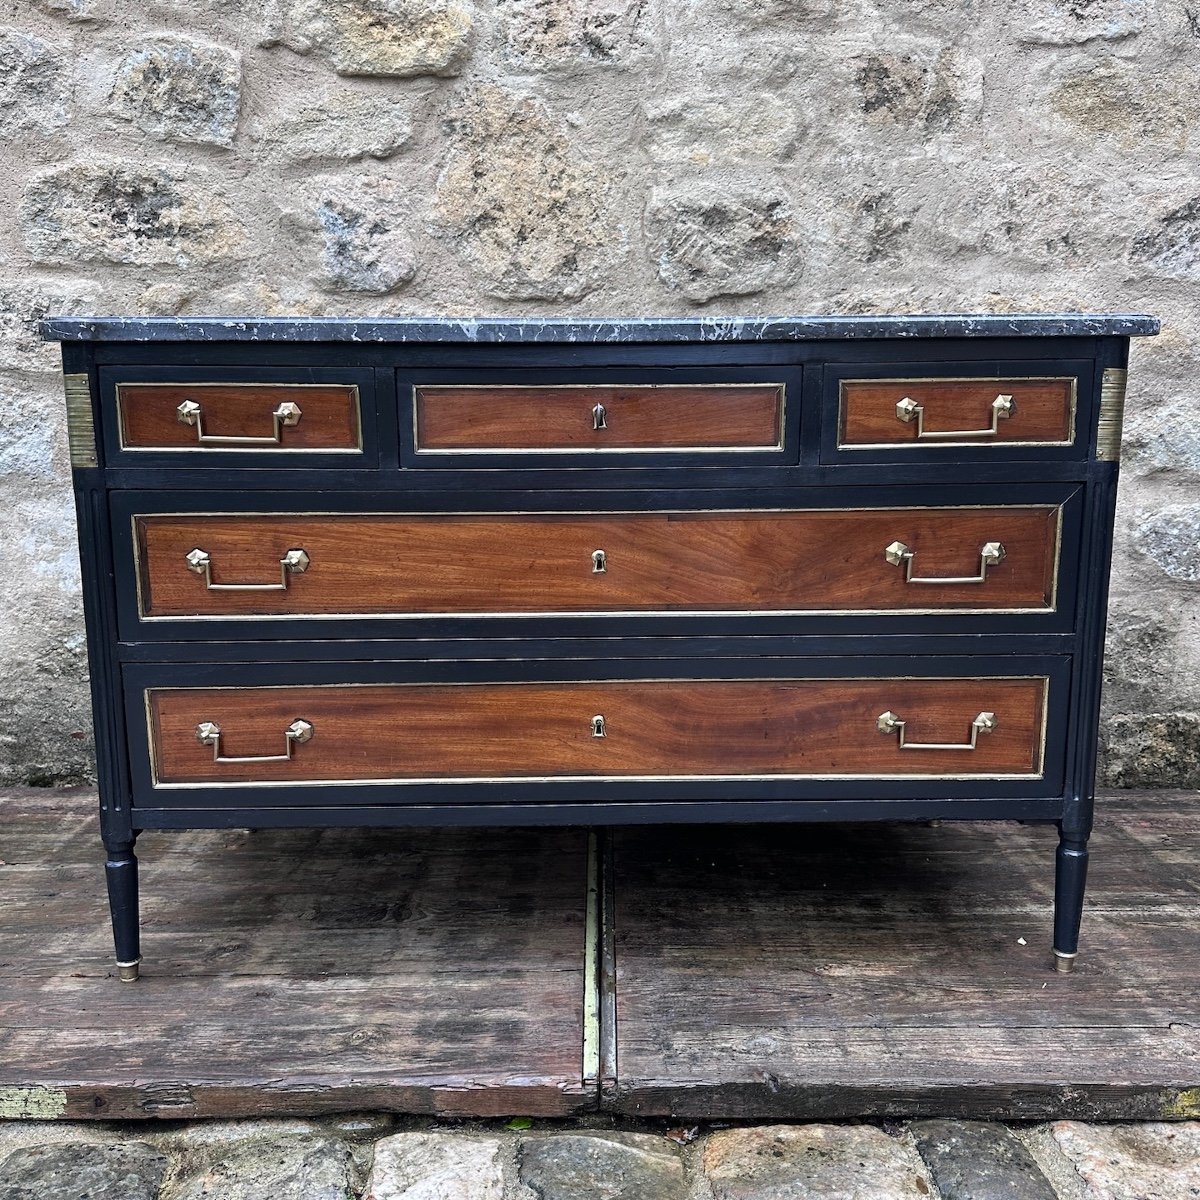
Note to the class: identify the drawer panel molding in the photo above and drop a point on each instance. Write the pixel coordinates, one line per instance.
(284, 418)
(880, 413)
(506, 419)
(889, 561)
(919, 728)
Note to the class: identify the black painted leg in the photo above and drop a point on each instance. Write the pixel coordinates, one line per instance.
(121, 872)
(1070, 877)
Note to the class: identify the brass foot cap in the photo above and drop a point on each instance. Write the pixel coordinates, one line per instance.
(128, 972)
(1064, 963)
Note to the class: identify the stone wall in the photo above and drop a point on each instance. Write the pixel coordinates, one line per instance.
(603, 157)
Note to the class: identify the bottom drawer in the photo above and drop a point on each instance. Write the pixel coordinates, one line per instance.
(991, 727)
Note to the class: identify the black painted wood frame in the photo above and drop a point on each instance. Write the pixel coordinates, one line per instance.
(127, 654)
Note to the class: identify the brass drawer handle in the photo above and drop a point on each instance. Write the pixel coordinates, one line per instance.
(208, 733)
(909, 410)
(899, 555)
(286, 414)
(293, 562)
(890, 722)
(599, 417)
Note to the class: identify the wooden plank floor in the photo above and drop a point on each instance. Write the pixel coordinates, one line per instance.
(292, 972)
(832, 971)
(760, 971)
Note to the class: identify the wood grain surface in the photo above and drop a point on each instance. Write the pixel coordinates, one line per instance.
(666, 416)
(329, 415)
(713, 727)
(656, 562)
(1043, 409)
(813, 972)
(788, 972)
(293, 972)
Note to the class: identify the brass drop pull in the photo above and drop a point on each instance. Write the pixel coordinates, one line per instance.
(208, 733)
(599, 562)
(899, 555)
(890, 722)
(599, 417)
(598, 727)
(287, 414)
(294, 562)
(908, 410)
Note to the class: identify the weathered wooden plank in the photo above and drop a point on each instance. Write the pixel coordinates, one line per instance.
(841, 971)
(293, 972)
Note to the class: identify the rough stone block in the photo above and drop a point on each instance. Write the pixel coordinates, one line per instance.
(22, 306)
(1114, 98)
(1137, 647)
(817, 1162)
(124, 1171)
(315, 1168)
(1151, 749)
(1071, 22)
(1155, 1161)
(386, 37)
(32, 438)
(1163, 438)
(366, 246)
(615, 1166)
(339, 126)
(523, 207)
(551, 34)
(180, 89)
(121, 211)
(927, 90)
(702, 131)
(1170, 537)
(1172, 245)
(79, 10)
(714, 240)
(976, 1160)
(34, 83)
(437, 1166)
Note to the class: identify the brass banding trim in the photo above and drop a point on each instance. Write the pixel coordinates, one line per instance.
(261, 448)
(983, 777)
(639, 612)
(780, 418)
(81, 425)
(970, 444)
(1112, 414)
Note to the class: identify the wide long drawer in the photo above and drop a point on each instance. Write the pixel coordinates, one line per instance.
(886, 560)
(642, 728)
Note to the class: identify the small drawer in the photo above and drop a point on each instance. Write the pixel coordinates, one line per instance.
(977, 412)
(493, 419)
(241, 418)
(1001, 558)
(897, 728)
(281, 417)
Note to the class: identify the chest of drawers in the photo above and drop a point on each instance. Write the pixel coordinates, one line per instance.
(591, 572)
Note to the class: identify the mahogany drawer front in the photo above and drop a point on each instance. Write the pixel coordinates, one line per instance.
(715, 728)
(975, 412)
(598, 417)
(214, 417)
(885, 560)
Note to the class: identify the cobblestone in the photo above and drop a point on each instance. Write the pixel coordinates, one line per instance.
(360, 1156)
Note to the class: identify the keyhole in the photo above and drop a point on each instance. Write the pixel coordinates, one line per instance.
(599, 562)
(598, 729)
(599, 417)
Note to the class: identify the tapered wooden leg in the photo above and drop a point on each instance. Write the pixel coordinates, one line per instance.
(1070, 878)
(121, 872)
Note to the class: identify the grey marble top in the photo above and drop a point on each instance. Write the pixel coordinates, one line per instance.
(586, 329)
